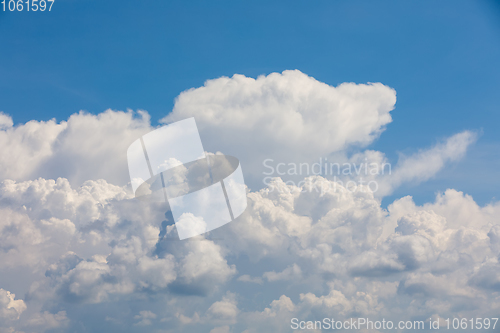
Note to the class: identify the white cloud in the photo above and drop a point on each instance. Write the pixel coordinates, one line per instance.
(288, 117)
(284, 116)
(335, 301)
(10, 308)
(5, 121)
(426, 163)
(221, 329)
(46, 321)
(202, 268)
(225, 309)
(288, 273)
(248, 278)
(145, 318)
(188, 320)
(332, 240)
(85, 242)
(85, 147)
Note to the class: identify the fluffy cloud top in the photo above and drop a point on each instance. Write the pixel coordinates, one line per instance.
(285, 116)
(329, 253)
(10, 308)
(86, 249)
(85, 147)
(288, 117)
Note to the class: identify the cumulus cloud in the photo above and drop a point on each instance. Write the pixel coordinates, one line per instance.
(248, 278)
(221, 329)
(85, 147)
(5, 121)
(287, 274)
(285, 116)
(145, 318)
(90, 249)
(431, 259)
(47, 321)
(94, 244)
(10, 308)
(225, 309)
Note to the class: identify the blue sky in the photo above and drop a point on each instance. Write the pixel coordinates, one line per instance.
(441, 57)
(90, 258)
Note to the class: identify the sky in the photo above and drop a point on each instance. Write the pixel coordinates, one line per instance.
(442, 59)
(414, 84)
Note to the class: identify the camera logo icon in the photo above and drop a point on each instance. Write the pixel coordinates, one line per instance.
(204, 191)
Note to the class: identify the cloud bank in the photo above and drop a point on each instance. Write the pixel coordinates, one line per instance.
(78, 253)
